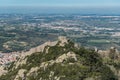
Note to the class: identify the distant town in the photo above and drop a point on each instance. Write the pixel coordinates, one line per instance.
(5, 59)
(21, 32)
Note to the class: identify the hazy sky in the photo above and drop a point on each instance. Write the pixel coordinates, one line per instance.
(71, 3)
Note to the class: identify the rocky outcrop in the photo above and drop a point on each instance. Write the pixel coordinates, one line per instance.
(34, 69)
(65, 57)
(112, 53)
(62, 40)
(20, 74)
(2, 71)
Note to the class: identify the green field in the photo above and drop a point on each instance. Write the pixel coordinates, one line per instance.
(99, 41)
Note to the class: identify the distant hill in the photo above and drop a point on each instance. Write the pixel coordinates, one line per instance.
(64, 60)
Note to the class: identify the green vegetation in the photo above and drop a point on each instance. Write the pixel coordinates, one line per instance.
(88, 65)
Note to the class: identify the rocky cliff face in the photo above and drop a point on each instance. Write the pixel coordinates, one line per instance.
(62, 60)
(111, 58)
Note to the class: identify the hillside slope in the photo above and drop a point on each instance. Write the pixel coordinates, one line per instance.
(62, 61)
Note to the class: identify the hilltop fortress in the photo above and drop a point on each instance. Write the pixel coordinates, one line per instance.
(111, 53)
(61, 52)
(40, 48)
(10, 57)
